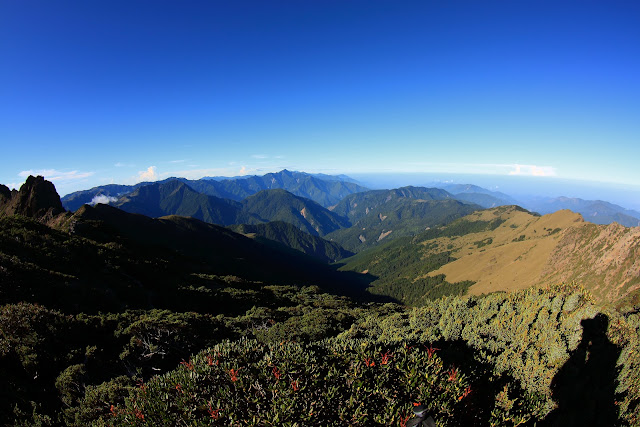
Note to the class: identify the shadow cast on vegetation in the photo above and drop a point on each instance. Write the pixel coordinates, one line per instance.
(584, 388)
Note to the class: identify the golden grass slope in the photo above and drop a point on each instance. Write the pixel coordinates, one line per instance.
(528, 250)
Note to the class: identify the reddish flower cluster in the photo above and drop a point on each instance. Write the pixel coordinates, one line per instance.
(294, 385)
(453, 374)
(234, 374)
(384, 358)
(466, 393)
(138, 413)
(369, 362)
(214, 413)
(276, 373)
(210, 360)
(188, 364)
(431, 351)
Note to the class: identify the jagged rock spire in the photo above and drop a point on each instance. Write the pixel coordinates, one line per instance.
(37, 198)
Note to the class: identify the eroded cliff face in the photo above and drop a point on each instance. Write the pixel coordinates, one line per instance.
(605, 259)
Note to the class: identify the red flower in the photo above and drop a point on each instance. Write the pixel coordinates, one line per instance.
(466, 393)
(113, 410)
(294, 385)
(453, 374)
(215, 413)
(179, 388)
(210, 360)
(431, 351)
(234, 374)
(417, 403)
(369, 362)
(188, 364)
(276, 373)
(138, 413)
(385, 358)
(403, 421)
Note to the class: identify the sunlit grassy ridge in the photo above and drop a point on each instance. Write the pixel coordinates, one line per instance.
(506, 249)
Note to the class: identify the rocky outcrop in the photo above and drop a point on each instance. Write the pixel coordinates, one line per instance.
(37, 199)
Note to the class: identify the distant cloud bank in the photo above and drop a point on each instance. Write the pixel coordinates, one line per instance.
(56, 175)
(532, 170)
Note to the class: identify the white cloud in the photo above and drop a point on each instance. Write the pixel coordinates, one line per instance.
(260, 156)
(149, 175)
(56, 175)
(177, 161)
(124, 165)
(104, 199)
(532, 170)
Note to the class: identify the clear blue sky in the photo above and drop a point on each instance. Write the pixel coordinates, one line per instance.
(93, 92)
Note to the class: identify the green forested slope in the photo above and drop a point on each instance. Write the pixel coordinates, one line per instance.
(290, 236)
(280, 205)
(398, 218)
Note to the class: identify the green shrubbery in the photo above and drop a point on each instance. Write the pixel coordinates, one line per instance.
(335, 382)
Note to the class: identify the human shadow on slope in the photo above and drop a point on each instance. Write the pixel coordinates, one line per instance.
(584, 388)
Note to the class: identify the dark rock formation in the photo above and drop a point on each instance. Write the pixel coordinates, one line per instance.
(37, 198)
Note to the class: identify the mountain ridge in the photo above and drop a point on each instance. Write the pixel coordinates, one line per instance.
(323, 190)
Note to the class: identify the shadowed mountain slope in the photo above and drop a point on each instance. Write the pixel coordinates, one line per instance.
(289, 235)
(177, 198)
(280, 205)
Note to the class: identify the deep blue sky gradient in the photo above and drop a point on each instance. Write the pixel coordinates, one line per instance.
(117, 91)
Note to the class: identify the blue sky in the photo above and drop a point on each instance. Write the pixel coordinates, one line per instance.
(122, 91)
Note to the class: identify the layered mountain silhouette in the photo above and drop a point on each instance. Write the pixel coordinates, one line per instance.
(177, 198)
(326, 190)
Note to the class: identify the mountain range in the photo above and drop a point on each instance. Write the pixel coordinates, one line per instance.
(322, 189)
(111, 317)
(359, 221)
